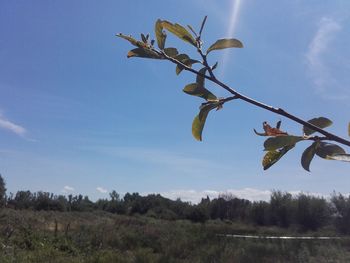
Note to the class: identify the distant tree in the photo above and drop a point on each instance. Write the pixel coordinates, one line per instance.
(2, 192)
(312, 212)
(102, 204)
(178, 207)
(196, 213)
(114, 196)
(115, 205)
(341, 212)
(60, 203)
(281, 209)
(80, 203)
(70, 202)
(204, 206)
(218, 209)
(237, 208)
(43, 201)
(23, 200)
(259, 213)
(133, 203)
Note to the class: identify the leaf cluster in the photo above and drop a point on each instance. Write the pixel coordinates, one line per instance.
(279, 142)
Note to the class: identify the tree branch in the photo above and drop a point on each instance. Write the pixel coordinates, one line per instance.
(237, 95)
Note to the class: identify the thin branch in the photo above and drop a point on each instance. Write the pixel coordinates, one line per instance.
(317, 138)
(221, 101)
(229, 99)
(192, 30)
(205, 63)
(237, 95)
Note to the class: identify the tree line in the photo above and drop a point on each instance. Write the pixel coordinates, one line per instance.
(306, 212)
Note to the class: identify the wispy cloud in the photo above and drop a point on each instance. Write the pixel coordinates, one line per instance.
(178, 161)
(251, 194)
(101, 190)
(324, 81)
(11, 126)
(67, 189)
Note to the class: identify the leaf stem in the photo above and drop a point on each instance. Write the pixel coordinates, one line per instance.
(205, 63)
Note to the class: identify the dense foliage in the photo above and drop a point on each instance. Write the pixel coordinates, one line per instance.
(44, 227)
(302, 212)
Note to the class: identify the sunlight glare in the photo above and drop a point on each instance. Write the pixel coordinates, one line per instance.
(235, 12)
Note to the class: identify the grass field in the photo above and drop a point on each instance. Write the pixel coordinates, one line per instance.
(29, 236)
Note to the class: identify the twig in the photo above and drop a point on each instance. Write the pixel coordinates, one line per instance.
(237, 95)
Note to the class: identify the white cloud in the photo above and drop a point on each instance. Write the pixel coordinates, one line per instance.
(316, 59)
(251, 194)
(67, 189)
(101, 190)
(10, 126)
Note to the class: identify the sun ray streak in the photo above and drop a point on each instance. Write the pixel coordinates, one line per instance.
(235, 12)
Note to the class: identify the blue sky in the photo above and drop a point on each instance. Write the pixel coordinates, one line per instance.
(77, 116)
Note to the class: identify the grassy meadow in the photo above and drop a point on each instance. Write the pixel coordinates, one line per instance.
(50, 236)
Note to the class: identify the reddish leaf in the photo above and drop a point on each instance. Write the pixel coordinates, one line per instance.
(269, 131)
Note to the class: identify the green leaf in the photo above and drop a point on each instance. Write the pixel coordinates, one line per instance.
(208, 107)
(277, 142)
(192, 30)
(202, 25)
(143, 53)
(160, 35)
(272, 157)
(349, 129)
(278, 125)
(199, 91)
(144, 38)
(190, 62)
(320, 122)
(178, 69)
(171, 52)
(308, 155)
(200, 79)
(199, 121)
(341, 157)
(179, 31)
(225, 43)
(198, 125)
(132, 40)
(329, 150)
(182, 57)
(185, 59)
